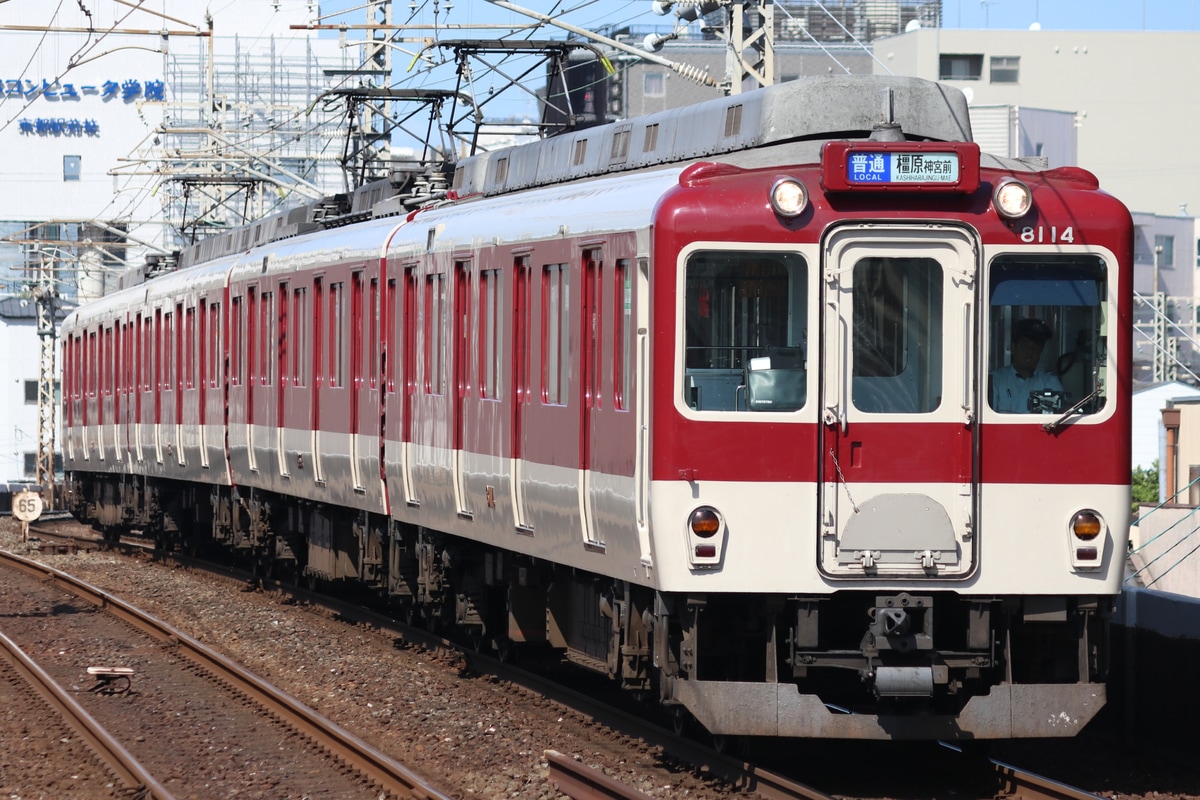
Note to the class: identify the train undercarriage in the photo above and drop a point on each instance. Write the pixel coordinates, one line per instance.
(845, 665)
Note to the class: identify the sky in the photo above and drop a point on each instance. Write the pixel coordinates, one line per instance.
(1131, 15)
(1120, 15)
(1109, 15)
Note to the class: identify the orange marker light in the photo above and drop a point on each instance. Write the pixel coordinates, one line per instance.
(1086, 525)
(705, 523)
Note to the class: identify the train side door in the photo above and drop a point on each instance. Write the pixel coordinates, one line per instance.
(590, 349)
(158, 383)
(106, 399)
(460, 391)
(410, 325)
(296, 392)
(282, 356)
(317, 371)
(522, 343)
(357, 373)
(898, 399)
(141, 382)
(178, 374)
(334, 406)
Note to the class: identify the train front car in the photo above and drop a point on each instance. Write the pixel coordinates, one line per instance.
(890, 449)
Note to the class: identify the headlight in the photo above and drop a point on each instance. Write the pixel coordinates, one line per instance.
(789, 198)
(1012, 199)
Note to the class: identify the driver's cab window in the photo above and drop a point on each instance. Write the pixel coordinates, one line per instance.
(1047, 327)
(745, 320)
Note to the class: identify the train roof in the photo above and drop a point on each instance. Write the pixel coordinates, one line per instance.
(805, 109)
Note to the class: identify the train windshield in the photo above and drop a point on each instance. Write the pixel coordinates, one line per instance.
(746, 321)
(1047, 326)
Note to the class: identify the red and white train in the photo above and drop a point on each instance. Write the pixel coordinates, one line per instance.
(700, 400)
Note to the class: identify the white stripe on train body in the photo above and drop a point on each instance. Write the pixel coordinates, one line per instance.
(745, 460)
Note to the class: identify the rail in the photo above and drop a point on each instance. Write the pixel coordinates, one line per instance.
(1015, 782)
(390, 775)
(127, 769)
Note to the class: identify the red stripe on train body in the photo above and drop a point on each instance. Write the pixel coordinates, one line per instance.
(836, 417)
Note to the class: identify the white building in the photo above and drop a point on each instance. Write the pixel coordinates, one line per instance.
(1149, 438)
(93, 122)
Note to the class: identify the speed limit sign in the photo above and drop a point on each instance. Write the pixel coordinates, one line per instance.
(27, 506)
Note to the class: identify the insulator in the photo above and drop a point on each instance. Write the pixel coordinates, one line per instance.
(694, 73)
(654, 42)
(692, 11)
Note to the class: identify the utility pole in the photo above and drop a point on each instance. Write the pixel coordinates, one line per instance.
(1166, 348)
(376, 121)
(45, 295)
(751, 51)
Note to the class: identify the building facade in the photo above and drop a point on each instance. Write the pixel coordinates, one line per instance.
(115, 137)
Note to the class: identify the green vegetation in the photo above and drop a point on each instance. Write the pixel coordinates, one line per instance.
(1145, 486)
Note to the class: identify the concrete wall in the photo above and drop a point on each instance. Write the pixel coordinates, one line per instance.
(1017, 132)
(1166, 548)
(1123, 85)
(1153, 703)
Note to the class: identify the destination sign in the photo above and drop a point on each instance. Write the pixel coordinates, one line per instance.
(902, 167)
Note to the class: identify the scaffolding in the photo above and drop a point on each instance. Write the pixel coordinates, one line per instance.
(240, 138)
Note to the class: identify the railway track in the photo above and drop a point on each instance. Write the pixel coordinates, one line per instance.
(184, 693)
(1003, 780)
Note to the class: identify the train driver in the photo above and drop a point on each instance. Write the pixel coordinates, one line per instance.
(1012, 385)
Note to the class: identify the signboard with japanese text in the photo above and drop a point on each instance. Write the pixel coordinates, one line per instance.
(71, 97)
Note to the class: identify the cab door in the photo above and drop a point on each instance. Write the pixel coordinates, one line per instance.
(898, 399)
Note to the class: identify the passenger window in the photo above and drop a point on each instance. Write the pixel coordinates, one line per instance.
(745, 331)
(1047, 328)
(897, 335)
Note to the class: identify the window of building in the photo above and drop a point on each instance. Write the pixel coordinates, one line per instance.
(654, 84)
(31, 464)
(1166, 258)
(1006, 69)
(963, 67)
(31, 393)
(72, 167)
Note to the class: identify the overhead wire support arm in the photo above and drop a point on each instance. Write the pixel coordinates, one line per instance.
(431, 98)
(555, 50)
(686, 70)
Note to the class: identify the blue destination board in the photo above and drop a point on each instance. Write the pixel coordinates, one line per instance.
(902, 167)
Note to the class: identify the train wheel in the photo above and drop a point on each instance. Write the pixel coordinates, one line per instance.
(679, 719)
(405, 611)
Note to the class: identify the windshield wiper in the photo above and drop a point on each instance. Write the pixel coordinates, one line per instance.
(1050, 427)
